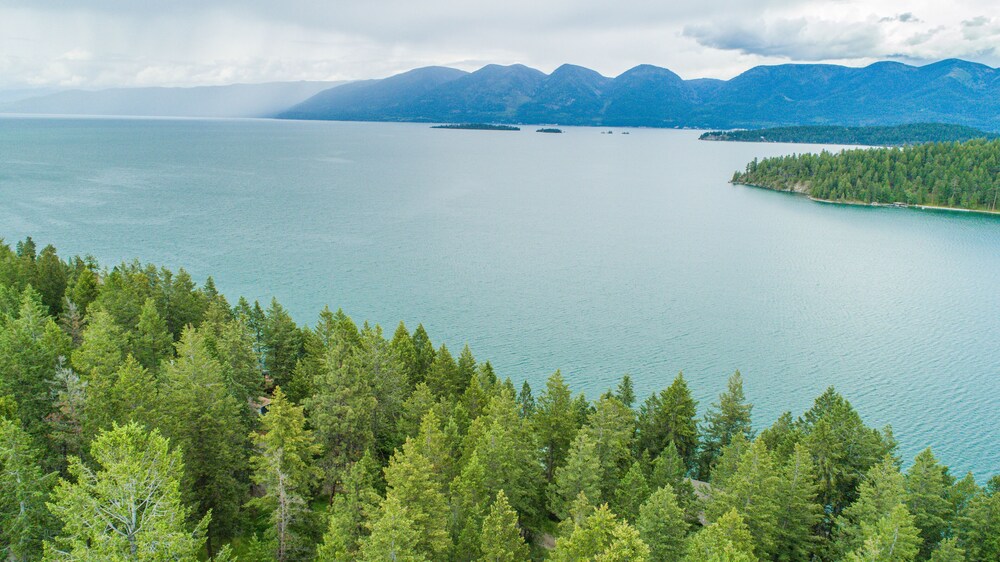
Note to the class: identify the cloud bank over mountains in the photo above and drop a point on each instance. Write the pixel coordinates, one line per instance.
(114, 43)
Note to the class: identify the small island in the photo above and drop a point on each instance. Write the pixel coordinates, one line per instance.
(951, 175)
(477, 127)
(895, 135)
(548, 130)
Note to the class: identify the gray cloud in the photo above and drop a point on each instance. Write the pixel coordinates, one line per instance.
(795, 39)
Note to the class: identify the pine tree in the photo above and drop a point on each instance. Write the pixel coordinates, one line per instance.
(30, 346)
(625, 391)
(893, 538)
(731, 415)
(406, 353)
(726, 540)
(395, 536)
(662, 526)
(203, 420)
(879, 493)
(526, 401)
(24, 489)
(424, 353)
(948, 551)
(753, 490)
(443, 377)
(103, 349)
(554, 424)
(51, 279)
(341, 410)
(670, 416)
(409, 481)
(782, 436)
(630, 493)
(284, 467)
(374, 358)
(151, 342)
(503, 443)
(580, 474)
(431, 442)
(799, 512)
(611, 426)
(501, 538)
(282, 342)
(352, 508)
(926, 489)
(470, 500)
(979, 528)
(129, 394)
(84, 290)
(127, 508)
(601, 537)
(668, 469)
(69, 429)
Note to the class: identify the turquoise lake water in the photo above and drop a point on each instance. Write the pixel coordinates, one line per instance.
(595, 254)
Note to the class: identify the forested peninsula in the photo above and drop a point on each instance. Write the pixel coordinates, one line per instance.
(894, 135)
(948, 175)
(144, 417)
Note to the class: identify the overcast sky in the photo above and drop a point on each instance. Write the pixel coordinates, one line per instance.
(107, 43)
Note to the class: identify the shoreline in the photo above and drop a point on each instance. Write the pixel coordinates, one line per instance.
(874, 204)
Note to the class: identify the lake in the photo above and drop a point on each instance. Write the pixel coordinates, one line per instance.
(592, 253)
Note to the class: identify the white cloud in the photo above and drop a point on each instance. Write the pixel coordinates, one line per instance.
(104, 43)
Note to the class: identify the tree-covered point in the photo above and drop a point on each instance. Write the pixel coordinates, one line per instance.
(891, 135)
(960, 175)
(477, 127)
(144, 418)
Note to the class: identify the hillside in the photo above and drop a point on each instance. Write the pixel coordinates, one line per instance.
(955, 175)
(886, 93)
(893, 135)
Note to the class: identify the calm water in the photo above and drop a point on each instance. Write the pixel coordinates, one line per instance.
(596, 254)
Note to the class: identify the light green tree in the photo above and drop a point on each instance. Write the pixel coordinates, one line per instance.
(926, 491)
(800, 512)
(283, 466)
(893, 538)
(631, 492)
(754, 491)
(580, 474)
(554, 424)
(726, 540)
(501, 539)
(395, 536)
(151, 341)
(24, 489)
(662, 526)
(127, 508)
(601, 537)
(410, 481)
(729, 416)
(670, 417)
(948, 551)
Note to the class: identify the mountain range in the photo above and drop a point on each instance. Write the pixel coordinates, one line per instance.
(235, 100)
(884, 93)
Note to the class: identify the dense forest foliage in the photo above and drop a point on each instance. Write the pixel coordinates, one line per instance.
(891, 135)
(963, 175)
(145, 418)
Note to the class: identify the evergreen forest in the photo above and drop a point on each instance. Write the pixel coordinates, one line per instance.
(145, 418)
(958, 175)
(886, 135)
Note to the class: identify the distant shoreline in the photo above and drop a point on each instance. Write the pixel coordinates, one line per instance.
(873, 204)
